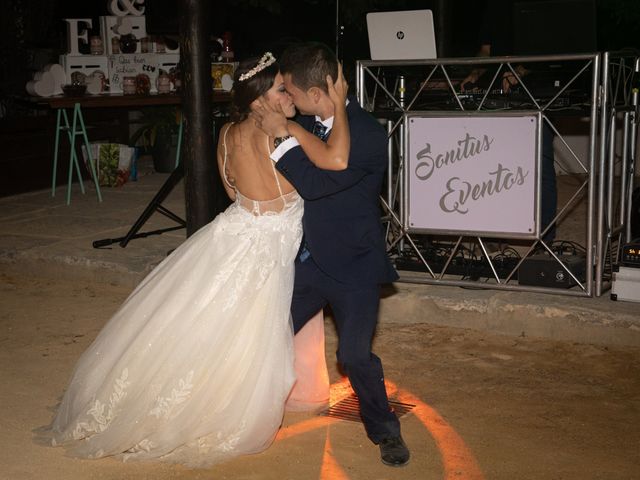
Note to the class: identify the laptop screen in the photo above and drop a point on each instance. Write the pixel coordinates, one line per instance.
(402, 35)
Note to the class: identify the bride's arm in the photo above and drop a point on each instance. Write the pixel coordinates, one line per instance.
(330, 155)
(334, 154)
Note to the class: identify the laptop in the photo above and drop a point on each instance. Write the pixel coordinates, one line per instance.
(401, 35)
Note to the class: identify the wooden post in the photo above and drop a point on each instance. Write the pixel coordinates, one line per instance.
(198, 153)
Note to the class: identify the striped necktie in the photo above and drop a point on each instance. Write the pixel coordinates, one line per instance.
(320, 131)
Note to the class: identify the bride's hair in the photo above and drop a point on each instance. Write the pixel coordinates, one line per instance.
(245, 91)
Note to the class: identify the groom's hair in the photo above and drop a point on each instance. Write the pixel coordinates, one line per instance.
(309, 64)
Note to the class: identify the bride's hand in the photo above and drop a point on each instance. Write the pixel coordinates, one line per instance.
(270, 120)
(338, 90)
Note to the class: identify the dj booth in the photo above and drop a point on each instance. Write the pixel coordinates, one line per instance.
(464, 194)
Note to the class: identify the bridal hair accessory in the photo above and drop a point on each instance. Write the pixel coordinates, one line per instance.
(266, 60)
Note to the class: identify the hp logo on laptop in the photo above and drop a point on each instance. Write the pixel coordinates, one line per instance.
(400, 35)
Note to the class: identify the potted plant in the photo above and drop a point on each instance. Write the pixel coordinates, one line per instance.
(158, 131)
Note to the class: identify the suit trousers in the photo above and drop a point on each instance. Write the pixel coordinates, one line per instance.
(355, 309)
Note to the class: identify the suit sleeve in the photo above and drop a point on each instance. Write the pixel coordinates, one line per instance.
(368, 155)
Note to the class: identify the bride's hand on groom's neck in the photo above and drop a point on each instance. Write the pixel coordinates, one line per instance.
(270, 120)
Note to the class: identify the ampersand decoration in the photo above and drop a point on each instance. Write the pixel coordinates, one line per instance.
(128, 7)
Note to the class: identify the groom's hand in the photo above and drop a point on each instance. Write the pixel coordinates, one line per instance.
(338, 90)
(271, 121)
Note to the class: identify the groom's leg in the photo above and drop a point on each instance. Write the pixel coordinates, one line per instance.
(307, 300)
(355, 309)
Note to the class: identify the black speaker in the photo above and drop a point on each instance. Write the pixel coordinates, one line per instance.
(544, 271)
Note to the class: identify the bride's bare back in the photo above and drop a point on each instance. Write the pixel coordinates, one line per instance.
(248, 168)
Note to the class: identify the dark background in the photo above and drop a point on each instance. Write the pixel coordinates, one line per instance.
(33, 34)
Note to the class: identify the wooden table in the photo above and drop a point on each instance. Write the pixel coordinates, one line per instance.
(131, 101)
(76, 128)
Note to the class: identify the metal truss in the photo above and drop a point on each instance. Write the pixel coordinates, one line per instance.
(619, 138)
(392, 89)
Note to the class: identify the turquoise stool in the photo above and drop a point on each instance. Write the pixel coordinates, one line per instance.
(75, 129)
(179, 145)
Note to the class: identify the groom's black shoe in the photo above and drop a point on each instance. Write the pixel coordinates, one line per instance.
(394, 452)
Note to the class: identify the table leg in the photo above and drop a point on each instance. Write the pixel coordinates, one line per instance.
(179, 146)
(77, 112)
(55, 152)
(73, 158)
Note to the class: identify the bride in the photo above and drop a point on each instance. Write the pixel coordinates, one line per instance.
(196, 365)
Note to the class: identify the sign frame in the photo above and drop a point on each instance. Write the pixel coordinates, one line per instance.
(411, 210)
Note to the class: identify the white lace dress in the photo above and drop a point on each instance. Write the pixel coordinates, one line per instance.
(196, 365)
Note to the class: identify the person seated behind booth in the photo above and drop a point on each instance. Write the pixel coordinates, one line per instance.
(496, 40)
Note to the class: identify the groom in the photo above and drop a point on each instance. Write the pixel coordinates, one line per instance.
(343, 260)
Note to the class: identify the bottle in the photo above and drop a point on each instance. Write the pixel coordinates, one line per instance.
(227, 49)
(160, 46)
(115, 45)
(163, 83)
(96, 47)
(145, 45)
(129, 85)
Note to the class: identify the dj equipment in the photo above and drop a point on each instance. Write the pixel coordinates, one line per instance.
(631, 255)
(544, 271)
(443, 99)
(626, 284)
(474, 269)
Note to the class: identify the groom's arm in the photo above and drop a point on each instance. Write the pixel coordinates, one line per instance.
(368, 155)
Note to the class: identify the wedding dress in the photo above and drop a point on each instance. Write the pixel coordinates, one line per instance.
(196, 365)
(311, 391)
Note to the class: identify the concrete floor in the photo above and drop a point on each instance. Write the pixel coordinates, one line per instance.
(506, 385)
(42, 236)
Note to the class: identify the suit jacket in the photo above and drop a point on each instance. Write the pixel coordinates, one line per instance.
(341, 222)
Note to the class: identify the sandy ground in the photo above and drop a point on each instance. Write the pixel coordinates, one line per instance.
(487, 406)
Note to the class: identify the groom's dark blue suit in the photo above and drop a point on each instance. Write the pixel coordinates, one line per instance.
(348, 261)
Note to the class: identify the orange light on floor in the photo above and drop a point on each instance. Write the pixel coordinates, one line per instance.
(331, 469)
(303, 427)
(340, 390)
(457, 460)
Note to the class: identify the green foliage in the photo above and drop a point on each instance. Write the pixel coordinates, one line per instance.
(109, 157)
(156, 122)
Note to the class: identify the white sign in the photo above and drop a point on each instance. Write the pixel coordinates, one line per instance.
(121, 8)
(73, 35)
(113, 27)
(132, 65)
(472, 174)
